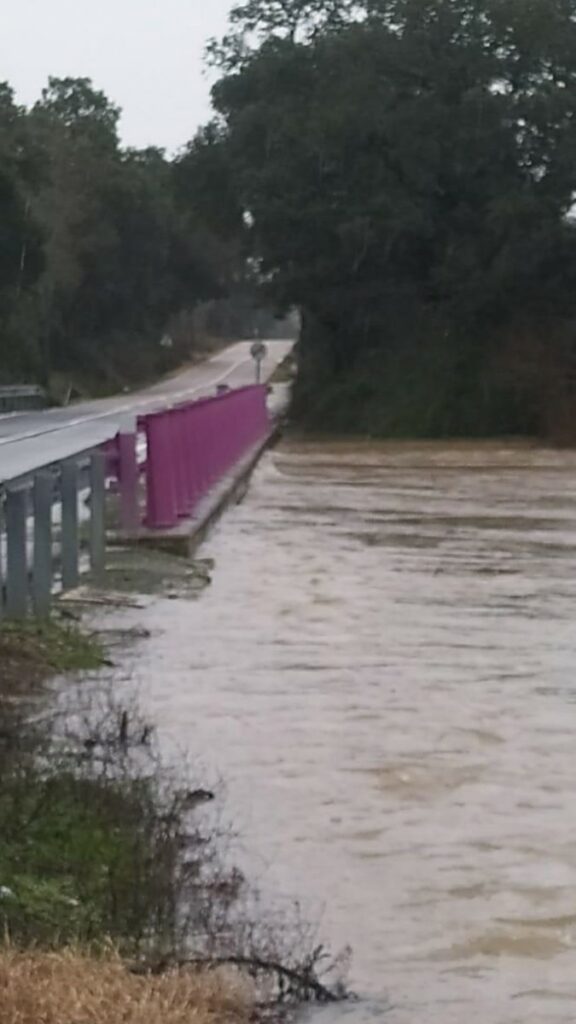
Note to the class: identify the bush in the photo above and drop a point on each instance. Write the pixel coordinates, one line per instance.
(433, 383)
(83, 858)
(100, 843)
(97, 841)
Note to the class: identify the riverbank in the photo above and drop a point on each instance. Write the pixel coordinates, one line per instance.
(32, 652)
(380, 644)
(105, 845)
(99, 851)
(56, 988)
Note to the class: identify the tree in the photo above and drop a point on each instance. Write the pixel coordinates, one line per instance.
(408, 167)
(121, 257)
(261, 20)
(104, 250)
(21, 257)
(291, 19)
(207, 194)
(80, 110)
(100, 247)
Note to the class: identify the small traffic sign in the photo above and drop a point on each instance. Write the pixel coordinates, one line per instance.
(258, 352)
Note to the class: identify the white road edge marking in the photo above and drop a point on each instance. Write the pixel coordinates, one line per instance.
(126, 409)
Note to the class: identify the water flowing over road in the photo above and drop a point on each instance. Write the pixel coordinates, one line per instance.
(384, 673)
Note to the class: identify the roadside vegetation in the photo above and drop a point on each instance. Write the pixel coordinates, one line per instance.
(58, 988)
(409, 167)
(110, 274)
(402, 172)
(118, 897)
(285, 372)
(32, 651)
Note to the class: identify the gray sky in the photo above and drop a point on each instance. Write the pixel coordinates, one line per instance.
(145, 54)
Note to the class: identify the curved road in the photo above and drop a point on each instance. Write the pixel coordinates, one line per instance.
(31, 440)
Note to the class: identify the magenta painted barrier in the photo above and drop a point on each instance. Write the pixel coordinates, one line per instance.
(161, 493)
(192, 447)
(128, 475)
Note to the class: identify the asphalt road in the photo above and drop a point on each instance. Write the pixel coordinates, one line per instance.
(29, 441)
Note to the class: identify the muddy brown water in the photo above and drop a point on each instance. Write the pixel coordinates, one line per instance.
(384, 672)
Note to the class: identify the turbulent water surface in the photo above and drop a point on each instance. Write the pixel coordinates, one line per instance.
(384, 673)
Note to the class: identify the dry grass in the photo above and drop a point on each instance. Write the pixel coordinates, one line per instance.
(70, 988)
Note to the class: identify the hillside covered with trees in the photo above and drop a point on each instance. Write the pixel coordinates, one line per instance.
(403, 172)
(409, 168)
(103, 250)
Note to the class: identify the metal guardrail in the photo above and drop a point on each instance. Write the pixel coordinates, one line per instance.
(191, 447)
(21, 397)
(40, 544)
(162, 466)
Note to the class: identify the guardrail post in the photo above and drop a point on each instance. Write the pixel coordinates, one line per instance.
(69, 539)
(161, 492)
(16, 555)
(177, 419)
(194, 456)
(98, 513)
(264, 417)
(42, 565)
(128, 477)
(199, 442)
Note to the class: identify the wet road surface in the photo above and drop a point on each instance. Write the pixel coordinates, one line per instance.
(30, 440)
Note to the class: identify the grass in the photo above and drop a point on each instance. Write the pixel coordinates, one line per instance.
(99, 839)
(31, 652)
(71, 988)
(103, 846)
(285, 371)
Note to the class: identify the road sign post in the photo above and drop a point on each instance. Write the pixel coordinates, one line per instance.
(258, 352)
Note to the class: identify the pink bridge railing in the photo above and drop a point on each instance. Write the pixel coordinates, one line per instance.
(189, 449)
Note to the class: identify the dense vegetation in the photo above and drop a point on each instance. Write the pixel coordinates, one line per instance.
(401, 171)
(105, 848)
(103, 250)
(409, 170)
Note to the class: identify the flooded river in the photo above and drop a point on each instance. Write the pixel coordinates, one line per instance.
(384, 672)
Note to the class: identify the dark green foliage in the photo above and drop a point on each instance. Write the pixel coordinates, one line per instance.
(97, 841)
(21, 249)
(102, 250)
(94, 834)
(409, 167)
(103, 845)
(84, 859)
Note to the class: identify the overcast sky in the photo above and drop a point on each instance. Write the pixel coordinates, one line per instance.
(145, 54)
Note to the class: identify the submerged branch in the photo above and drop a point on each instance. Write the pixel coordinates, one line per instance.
(299, 984)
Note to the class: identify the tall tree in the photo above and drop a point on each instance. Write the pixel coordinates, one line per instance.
(408, 167)
(103, 249)
(120, 259)
(21, 256)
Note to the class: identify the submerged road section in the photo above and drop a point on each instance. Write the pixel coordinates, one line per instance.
(34, 439)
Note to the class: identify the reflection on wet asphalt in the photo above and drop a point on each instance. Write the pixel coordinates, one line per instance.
(384, 673)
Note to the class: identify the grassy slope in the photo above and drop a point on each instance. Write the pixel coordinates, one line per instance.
(31, 652)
